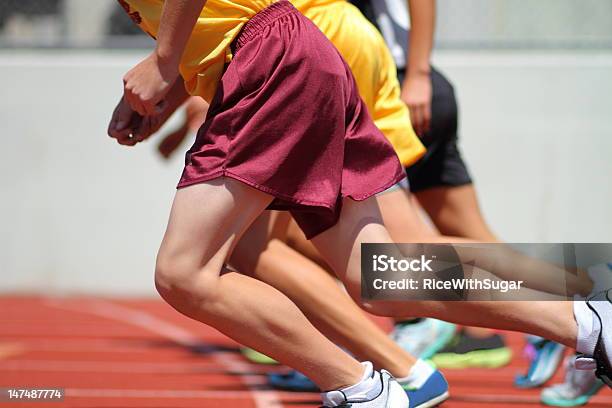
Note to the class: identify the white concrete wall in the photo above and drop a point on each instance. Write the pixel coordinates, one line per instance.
(537, 134)
(80, 213)
(565, 23)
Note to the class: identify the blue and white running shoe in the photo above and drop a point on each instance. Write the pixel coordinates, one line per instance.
(548, 357)
(424, 338)
(433, 392)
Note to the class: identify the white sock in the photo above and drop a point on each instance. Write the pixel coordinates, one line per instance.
(588, 328)
(418, 375)
(366, 389)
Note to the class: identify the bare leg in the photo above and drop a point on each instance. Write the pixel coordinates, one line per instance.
(206, 221)
(405, 225)
(455, 211)
(402, 218)
(296, 239)
(361, 222)
(320, 298)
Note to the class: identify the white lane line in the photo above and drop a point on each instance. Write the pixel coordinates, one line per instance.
(109, 367)
(117, 393)
(262, 398)
(10, 349)
(129, 393)
(80, 346)
(122, 367)
(146, 321)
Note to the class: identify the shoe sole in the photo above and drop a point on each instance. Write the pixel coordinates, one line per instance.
(434, 401)
(481, 359)
(564, 403)
(576, 402)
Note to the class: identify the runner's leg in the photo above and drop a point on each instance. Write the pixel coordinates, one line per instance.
(206, 221)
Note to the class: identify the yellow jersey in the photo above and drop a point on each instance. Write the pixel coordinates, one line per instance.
(359, 42)
(208, 48)
(365, 51)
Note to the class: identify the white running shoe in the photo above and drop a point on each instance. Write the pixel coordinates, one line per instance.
(595, 335)
(579, 386)
(390, 395)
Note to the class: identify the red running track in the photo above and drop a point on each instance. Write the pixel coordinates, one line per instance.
(141, 353)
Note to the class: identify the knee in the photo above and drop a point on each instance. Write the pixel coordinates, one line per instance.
(377, 308)
(185, 285)
(395, 308)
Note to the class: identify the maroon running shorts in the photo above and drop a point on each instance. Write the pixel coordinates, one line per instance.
(287, 119)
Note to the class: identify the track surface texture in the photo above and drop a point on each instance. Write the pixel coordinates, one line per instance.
(141, 353)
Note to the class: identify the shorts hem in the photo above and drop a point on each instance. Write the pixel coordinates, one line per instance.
(257, 186)
(386, 186)
(313, 233)
(305, 203)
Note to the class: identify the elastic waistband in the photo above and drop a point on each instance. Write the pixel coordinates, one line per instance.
(259, 21)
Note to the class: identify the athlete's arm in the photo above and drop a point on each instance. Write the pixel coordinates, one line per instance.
(417, 89)
(146, 85)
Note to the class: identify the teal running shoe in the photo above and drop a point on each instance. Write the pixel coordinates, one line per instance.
(579, 386)
(423, 338)
(547, 356)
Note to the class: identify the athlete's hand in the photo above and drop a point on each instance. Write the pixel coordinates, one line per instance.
(122, 122)
(417, 94)
(128, 127)
(146, 85)
(147, 126)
